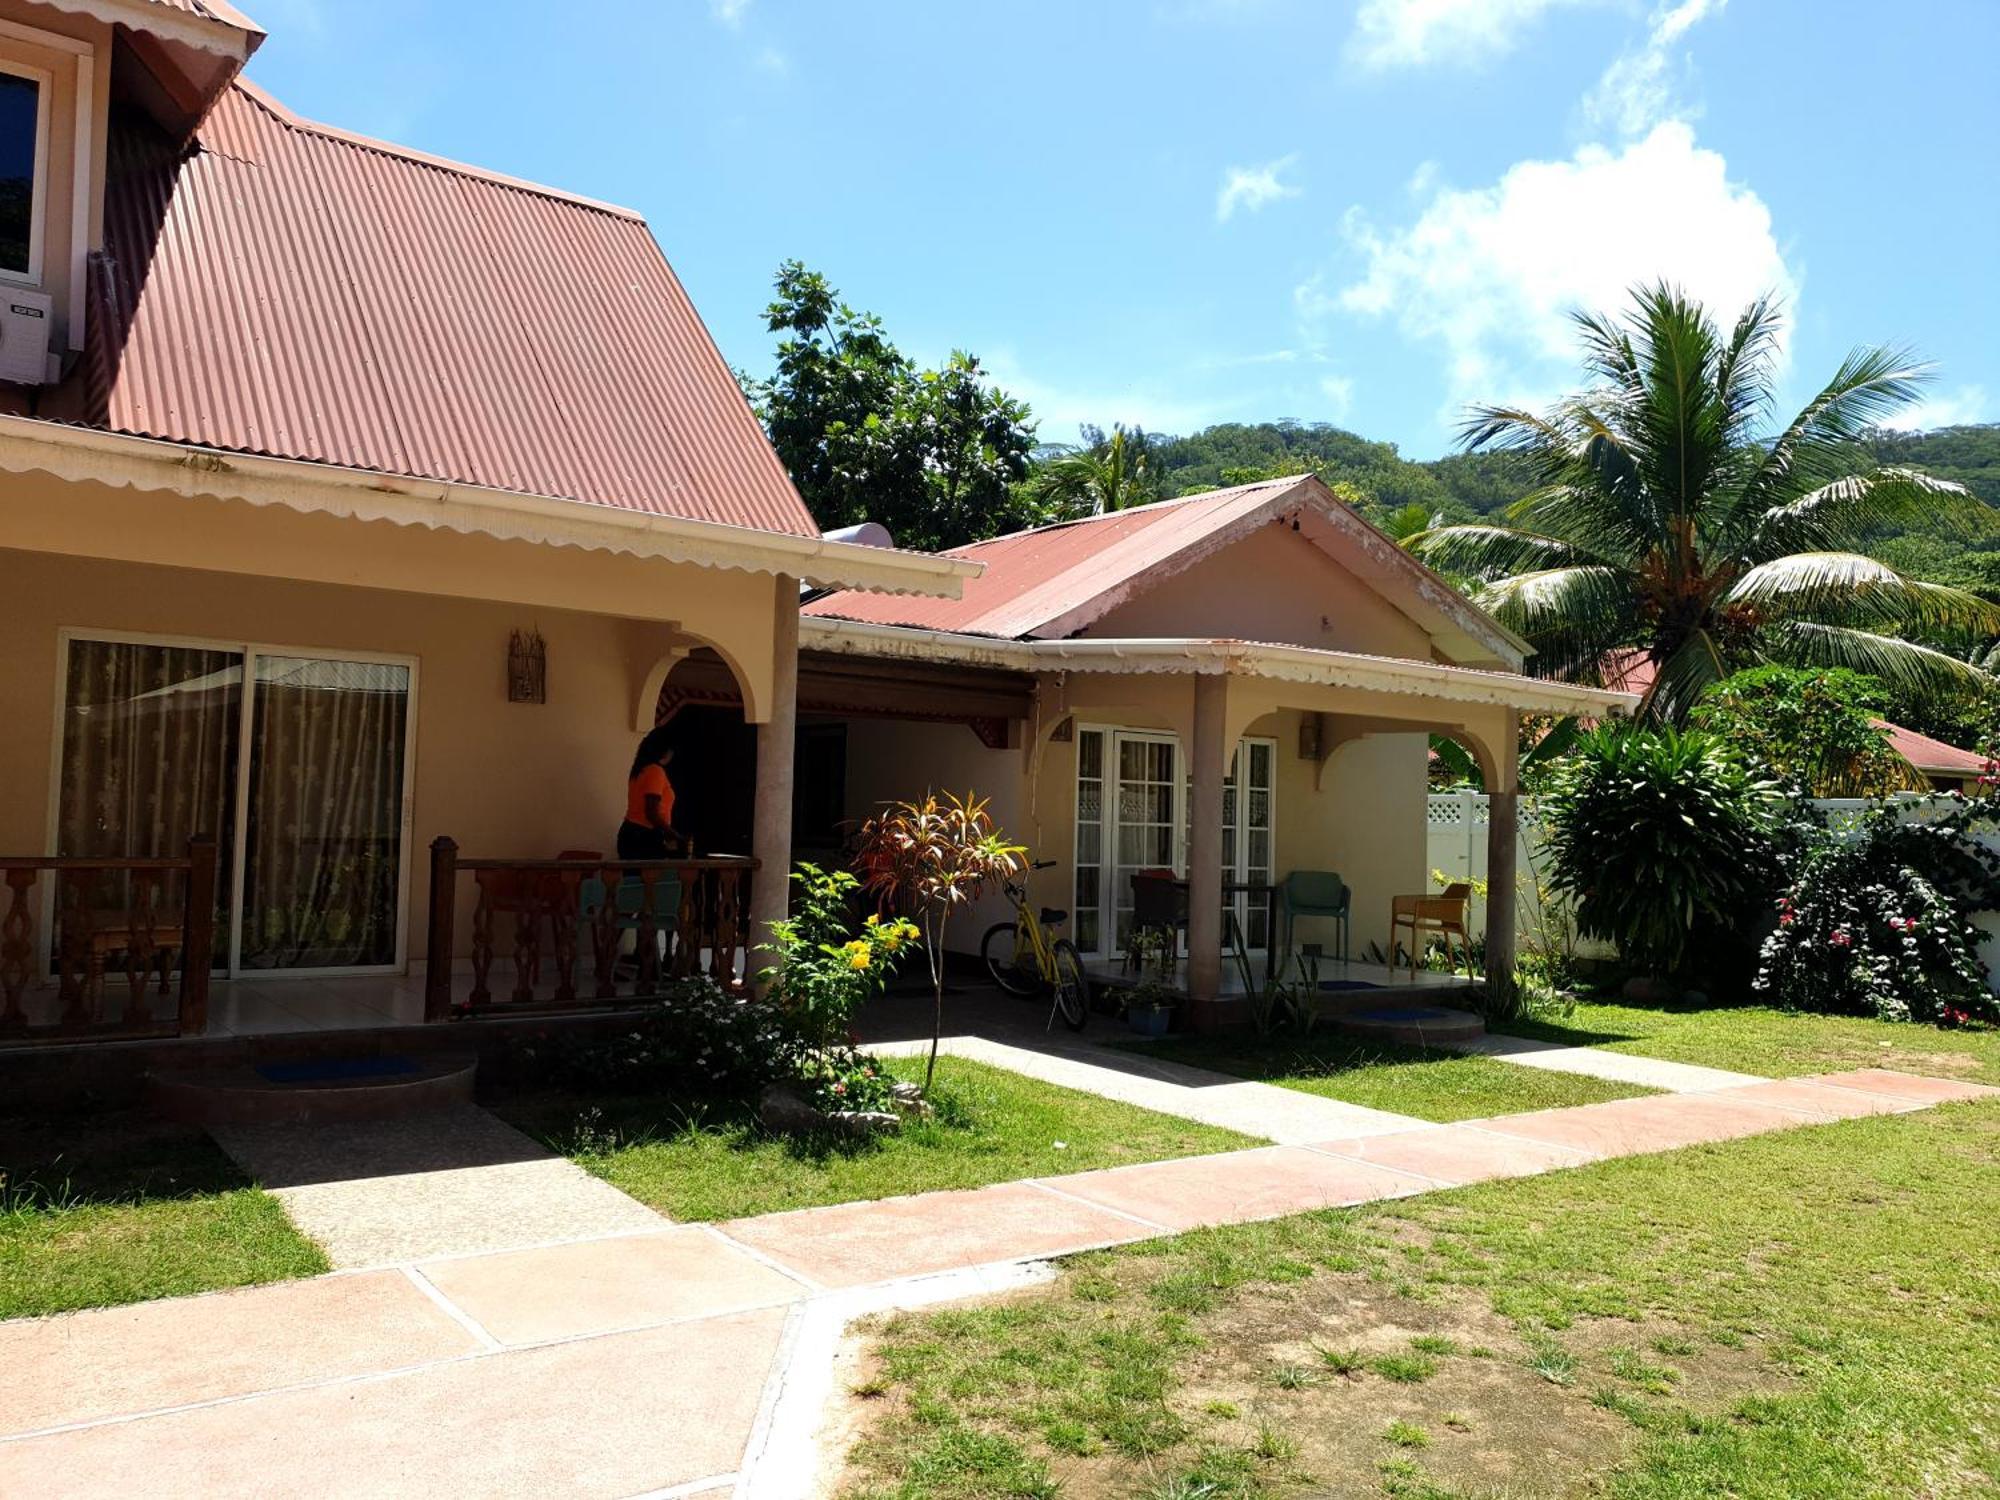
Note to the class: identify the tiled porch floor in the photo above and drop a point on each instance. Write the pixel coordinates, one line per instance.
(1364, 977)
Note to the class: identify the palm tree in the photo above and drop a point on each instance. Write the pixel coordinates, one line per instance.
(1669, 517)
(1102, 474)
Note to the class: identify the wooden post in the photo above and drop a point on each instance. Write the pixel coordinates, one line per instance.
(444, 912)
(198, 935)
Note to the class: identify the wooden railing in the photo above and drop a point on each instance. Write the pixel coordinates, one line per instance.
(580, 932)
(149, 921)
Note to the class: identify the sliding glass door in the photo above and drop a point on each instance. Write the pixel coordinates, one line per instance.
(297, 763)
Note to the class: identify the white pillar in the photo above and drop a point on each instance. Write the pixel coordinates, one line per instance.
(771, 829)
(1208, 764)
(1503, 838)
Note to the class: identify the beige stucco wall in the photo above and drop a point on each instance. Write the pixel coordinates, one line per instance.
(1274, 585)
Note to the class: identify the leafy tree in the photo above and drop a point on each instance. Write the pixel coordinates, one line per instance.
(1816, 731)
(1099, 475)
(934, 455)
(1668, 517)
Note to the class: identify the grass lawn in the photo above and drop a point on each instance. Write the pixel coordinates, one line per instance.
(1813, 1312)
(1776, 1043)
(1430, 1085)
(991, 1126)
(95, 1212)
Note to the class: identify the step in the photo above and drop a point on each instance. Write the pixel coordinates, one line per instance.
(1414, 1025)
(311, 1090)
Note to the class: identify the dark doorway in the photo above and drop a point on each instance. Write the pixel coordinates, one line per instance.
(715, 778)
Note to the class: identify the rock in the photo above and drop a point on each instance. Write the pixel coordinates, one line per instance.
(783, 1108)
(1649, 989)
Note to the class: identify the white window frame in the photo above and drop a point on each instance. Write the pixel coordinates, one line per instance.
(234, 871)
(1107, 910)
(38, 197)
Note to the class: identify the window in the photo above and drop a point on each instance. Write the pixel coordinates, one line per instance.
(23, 139)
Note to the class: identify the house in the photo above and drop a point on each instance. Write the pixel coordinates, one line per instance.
(352, 502)
(1234, 685)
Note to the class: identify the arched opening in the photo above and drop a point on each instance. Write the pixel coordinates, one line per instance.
(714, 773)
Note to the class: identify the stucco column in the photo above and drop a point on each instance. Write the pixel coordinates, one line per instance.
(771, 828)
(1207, 764)
(1502, 840)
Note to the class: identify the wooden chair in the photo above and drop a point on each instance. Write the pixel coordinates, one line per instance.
(1159, 904)
(1443, 914)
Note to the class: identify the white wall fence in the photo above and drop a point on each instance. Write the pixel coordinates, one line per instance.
(1457, 822)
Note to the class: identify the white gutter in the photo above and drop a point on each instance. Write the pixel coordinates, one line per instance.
(89, 454)
(1303, 664)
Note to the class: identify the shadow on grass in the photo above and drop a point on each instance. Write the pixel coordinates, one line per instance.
(109, 1160)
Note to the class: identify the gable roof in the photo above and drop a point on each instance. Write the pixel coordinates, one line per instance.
(286, 289)
(1054, 581)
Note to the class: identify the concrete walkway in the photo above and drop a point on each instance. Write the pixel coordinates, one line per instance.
(680, 1360)
(1620, 1067)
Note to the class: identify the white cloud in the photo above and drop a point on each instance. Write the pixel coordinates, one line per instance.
(774, 62)
(1491, 273)
(1252, 188)
(1416, 33)
(1969, 403)
(1339, 393)
(728, 12)
(1637, 90)
(1147, 403)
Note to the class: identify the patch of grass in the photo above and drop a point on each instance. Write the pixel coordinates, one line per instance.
(1406, 1435)
(992, 1125)
(1434, 1343)
(1833, 1284)
(1775, 1043)
(1291, 1377)
(1404, 1369)
(1342, 1361)
(1227, 1410)
(98, 1212)
(1273, 1446)
(1425, 1083)
(1629, 1365)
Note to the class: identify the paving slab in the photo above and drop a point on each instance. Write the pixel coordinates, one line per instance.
(615, 1416)
(1287, 1116)
(562, 1291)
(1908, 1085)
(1457, 1154)
(854, 1244)
(1595, 1062)
(1631, 1127)
(447, 1182)
(1238, 1187)
(87, 1366)
(1821, 1099)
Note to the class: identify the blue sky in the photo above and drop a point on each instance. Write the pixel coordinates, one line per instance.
(1179, 212)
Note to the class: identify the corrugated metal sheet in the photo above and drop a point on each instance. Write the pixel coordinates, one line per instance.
(288, 290)
(1034, 578)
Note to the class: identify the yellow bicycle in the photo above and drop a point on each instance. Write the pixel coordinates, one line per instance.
(1024, 959)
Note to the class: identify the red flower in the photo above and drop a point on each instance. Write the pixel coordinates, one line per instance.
(1841, 940)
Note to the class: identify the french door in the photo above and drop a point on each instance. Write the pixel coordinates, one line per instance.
(1132, 814)
(298, 762)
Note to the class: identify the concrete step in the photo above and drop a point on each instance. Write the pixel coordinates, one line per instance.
(315, 1089)
(1414, 1025)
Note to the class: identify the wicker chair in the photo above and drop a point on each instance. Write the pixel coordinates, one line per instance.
(1443, 914)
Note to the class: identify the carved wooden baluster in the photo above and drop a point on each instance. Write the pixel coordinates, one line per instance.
(718, 923)
(563, 922)
(604, 934)
(527, 937)
(649, 946)
(733, 939)
(688, 925)
(140, 949)
(482, 940)
(73, 960)
(17, 948)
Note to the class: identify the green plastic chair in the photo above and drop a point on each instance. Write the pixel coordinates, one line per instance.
(1313, 893)
(630, 899)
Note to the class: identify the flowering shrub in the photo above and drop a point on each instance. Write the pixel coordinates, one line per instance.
(1882, 924)
(823, 967)
(694, 1042)
(839, 1078)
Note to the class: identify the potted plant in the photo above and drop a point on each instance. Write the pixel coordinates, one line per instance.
(1149, 1005)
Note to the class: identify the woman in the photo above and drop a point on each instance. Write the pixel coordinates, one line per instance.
(648, 828)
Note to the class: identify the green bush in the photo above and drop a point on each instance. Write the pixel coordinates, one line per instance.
(693, 1043)
(1881, 923)
(1665, 842)
(1815, 731)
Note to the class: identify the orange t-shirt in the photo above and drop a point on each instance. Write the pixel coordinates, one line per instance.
(651, 782)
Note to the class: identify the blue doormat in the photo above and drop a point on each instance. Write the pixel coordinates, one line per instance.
(1347, 984)
(335, 1069)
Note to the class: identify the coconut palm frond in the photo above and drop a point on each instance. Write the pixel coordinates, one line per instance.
(1572, 616)
(1839, 512)
(1845, 588)
(1694, 666)
(1870, 386)
(1901, 663)
(1479, 551)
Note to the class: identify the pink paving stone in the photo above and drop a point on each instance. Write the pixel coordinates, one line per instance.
(1239, 1187)
(853, 1244)
(619, 1415)
(1819, 1099)
(1907, 1085)
(561, 1291)
(85, 1366)
(1457, 1154)
(1630, 1127)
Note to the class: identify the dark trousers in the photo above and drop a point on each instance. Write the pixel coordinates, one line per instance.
(636, 841)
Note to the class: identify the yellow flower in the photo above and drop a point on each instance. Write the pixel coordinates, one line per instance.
(858, 954)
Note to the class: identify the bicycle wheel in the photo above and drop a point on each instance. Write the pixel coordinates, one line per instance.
(1011, 965)
(1072, 989)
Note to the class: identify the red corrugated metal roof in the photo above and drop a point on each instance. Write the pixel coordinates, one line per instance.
(1927, 754)
(291, 290)
(1034, 578)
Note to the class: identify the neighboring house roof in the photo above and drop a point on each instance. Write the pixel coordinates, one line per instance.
(286, 289)
(1054, 581)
